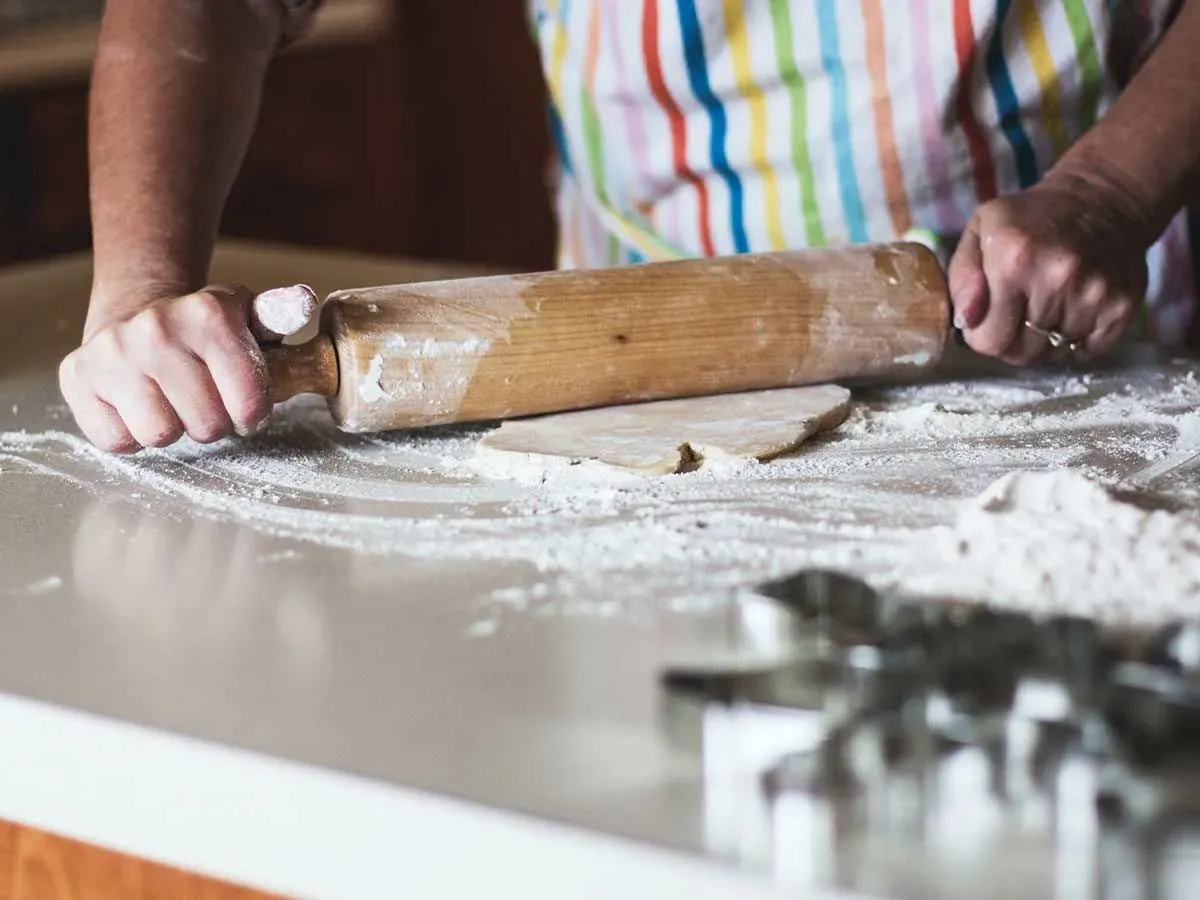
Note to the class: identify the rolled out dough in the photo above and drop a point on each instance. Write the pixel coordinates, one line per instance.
(671, 436)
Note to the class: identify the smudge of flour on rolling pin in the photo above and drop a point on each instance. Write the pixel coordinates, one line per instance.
(282, 312)
(920, 358)
(429, 341)
(889, 497)
(434, 373)
(371, 390)
(433, 348)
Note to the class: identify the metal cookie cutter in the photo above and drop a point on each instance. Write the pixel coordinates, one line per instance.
(842, 714)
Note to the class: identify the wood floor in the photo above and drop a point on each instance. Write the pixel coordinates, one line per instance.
(39, 866)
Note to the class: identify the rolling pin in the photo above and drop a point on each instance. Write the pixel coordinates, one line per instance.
(497, 347)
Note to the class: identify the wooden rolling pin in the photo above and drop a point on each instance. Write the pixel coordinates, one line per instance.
(412, 355)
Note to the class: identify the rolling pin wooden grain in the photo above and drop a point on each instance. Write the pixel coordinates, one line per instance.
(414, 355)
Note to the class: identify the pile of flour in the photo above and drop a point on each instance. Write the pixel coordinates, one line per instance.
(987, 491)
(1059, 541)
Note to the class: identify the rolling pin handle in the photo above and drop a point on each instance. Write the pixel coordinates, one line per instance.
(308, 368)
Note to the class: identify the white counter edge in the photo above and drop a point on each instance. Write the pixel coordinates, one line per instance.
(306, 832)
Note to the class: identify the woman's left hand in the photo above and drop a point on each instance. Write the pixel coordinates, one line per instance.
(1067, 256)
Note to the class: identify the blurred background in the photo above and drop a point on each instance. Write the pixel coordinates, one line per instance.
(411, 127)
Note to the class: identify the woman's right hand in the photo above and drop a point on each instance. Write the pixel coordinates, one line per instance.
(177, 365)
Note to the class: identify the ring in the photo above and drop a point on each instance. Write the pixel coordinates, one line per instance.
(1054, 338)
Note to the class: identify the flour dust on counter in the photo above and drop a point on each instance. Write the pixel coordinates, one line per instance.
(1058, 541)
(892, 496)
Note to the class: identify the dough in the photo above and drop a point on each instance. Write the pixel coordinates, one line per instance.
(670, 436)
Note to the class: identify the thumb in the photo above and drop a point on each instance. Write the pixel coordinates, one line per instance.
(967, 281)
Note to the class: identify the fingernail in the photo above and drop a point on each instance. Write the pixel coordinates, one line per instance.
(960, 321)
(253, 430)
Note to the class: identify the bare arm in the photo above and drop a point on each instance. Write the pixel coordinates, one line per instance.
(1069, 254)
(1147, 148)
(175, 96)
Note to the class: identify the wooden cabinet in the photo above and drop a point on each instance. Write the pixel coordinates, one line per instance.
(35, 865)
(427, 139)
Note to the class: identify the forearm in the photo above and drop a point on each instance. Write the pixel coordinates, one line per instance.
(1146, 150)
(175, 96)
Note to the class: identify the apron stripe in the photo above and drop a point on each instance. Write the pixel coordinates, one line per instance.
(1033, 32)
(981, 158)
(789, 72)
(634, 123)
(852, 204)
(1007, 103)
(739, 42)
(1088, 56)
(933, 139)
(697, 70)
(885, 125)
(575, 230)
(558, 48)
(658, 88)
(593, 140)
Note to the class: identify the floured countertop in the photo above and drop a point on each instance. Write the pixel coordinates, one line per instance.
(882, 497)
(390, 607)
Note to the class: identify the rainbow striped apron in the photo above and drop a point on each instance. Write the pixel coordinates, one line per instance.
(701, 127)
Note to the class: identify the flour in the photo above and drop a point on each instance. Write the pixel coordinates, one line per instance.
(1057, 540)
(920, 358)
(891, 497)
(432, 348)
(284, 311)
(371, 390)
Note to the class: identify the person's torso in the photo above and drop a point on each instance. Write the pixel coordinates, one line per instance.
(707, 127)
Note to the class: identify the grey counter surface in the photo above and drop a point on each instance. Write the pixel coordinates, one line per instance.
(120, 610)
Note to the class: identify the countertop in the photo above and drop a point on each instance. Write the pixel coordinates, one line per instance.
(343, 717)
(185, 690)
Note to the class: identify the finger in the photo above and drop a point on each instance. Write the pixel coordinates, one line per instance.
(239, 373)
(282, 312)
(239, 292)
(967, 281)
(97, 420)
(1112, 320)
(1008, 261)
(1044, 311)
(1082, 308)
(1029, 347)
(145, 411)
(188, 387)
(1098, 342)
(217, 303)
(1003, 328)
(215, 329)
(101, 425)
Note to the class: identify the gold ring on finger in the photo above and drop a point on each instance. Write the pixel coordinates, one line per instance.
(1054, 338)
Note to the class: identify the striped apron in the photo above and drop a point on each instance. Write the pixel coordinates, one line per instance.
(701, 127)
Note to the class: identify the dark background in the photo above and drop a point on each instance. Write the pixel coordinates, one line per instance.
(426, 139)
